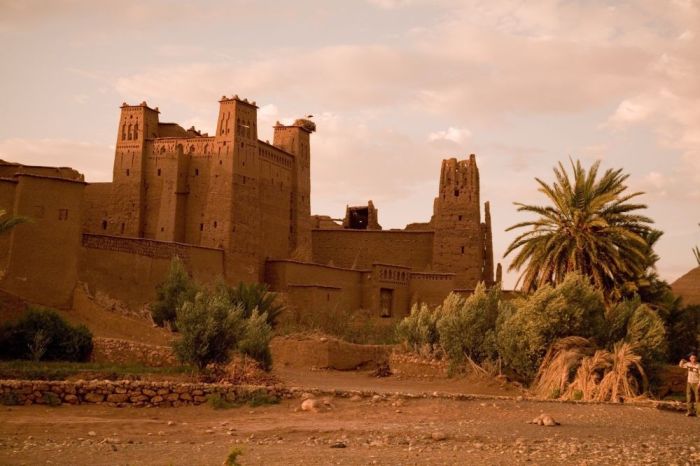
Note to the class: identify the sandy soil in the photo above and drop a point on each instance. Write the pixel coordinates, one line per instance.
(387, 432)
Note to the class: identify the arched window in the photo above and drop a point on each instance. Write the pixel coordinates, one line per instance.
(123, 131)
(192, 149)
(129, 134)
(136, 130)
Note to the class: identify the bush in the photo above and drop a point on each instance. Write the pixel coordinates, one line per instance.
(250, 297)
(418, 332)
(683, 327)
(647, 335)
(467, 326)
(210, 330)
(177, 288)
(256, 339)
(42, 334)
(527, 328)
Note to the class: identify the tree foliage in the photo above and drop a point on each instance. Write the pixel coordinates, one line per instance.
(528, 326)
(418, 331)
(210, 329)
(177, 288)
(467, 326)
(256, 339)
(44, 334)
(590, 227)
(253, 296)
(8, 222)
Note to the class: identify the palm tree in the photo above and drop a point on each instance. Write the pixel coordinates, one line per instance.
(696, 253)
(590, 228)
(8, 222)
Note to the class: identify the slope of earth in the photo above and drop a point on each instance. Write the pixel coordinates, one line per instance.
(422, 431)
(101, 322)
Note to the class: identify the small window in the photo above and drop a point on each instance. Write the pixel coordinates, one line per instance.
(196, 172)
(459, 217)
(159, 175)
(462, 249)
(123, 227)
(63, 214)
(215, 224)
(162, 228)
(201, 227)
(456, 192)
(127, 172)
(104, 224)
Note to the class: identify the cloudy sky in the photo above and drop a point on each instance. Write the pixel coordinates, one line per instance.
(395, 86)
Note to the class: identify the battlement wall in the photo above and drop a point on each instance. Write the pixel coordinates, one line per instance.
(359, 249)
(130, 268)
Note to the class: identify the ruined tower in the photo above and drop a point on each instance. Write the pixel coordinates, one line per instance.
(462, 244)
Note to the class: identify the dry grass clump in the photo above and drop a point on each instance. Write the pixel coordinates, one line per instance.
(574, 370)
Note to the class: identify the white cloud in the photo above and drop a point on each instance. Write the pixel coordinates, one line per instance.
(456, 135)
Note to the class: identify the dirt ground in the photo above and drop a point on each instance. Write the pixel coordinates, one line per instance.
(387, 432)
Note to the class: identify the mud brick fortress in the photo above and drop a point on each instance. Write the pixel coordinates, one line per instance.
(232, 207)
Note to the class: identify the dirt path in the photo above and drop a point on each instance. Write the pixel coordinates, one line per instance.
(363, 380)
(385, 432)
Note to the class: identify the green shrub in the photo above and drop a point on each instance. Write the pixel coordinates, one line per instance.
(419, 330)
(261, 398)
(210, 330)
(528, 326)
(232, 458)
(250, 297)
(177, 288)
(256, 339)
(216, 401)
(51, 399)
(467, 326)
(44, 334)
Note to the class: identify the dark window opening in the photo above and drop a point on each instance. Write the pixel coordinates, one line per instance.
(104, 224)
(162, 229)
(462, 249)
(159, 172)
(201, 227)
(215, 224)
(196, 172)
(459, 217)
(359, 217)
(456, 192)
(386, 300)
(123, 227)
(127, 172)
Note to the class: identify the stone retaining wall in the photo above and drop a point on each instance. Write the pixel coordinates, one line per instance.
(124, 393)
(117, 351)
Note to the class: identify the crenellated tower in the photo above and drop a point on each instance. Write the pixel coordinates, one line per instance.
(460, 243)
(138, 124)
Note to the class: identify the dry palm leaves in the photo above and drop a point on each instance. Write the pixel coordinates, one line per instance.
(573, 369)
(559, 363)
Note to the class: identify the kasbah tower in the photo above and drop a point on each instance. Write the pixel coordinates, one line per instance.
(236, 208)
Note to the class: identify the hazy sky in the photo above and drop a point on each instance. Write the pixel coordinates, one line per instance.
(395, 86)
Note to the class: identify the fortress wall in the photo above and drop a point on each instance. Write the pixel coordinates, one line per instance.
(97, 204)
(361, 248)
(431, 288)
(316, 287)
(129, 269)
(275, 188)
(43, 257)
(7, 203)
